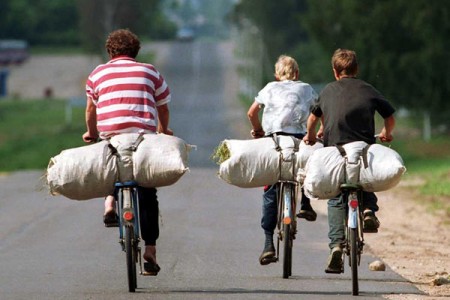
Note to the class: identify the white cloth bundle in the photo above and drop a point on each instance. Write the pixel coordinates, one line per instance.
(152, 160)
(376, 169)
(264, 161)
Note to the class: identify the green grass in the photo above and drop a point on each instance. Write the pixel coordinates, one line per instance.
(33, 131)
(429, 161)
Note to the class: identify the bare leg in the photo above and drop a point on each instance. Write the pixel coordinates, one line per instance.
(150, 254)
(109, 204)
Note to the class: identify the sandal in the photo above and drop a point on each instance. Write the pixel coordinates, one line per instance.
(151, 269)
(111, 219)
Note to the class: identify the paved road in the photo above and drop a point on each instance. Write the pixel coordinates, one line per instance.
(55, 248)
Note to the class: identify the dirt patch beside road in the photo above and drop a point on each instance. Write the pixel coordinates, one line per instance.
(414, 242)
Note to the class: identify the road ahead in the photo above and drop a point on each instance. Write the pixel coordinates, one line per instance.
(55, 248)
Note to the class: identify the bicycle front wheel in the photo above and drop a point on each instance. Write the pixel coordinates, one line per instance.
(131, 258)
(354, 259)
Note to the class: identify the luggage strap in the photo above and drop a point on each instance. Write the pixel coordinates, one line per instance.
(279, 149)
(137, 142)
(341, 150)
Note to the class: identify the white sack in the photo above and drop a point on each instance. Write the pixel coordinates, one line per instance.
(385, 169)
(255, 163)
(90, 171)
(83, 173)
(327, 169)
(160, 160)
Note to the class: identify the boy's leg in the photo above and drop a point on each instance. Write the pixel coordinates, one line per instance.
(336, 234)
(306, 211)
(371, 222)
(268, 223)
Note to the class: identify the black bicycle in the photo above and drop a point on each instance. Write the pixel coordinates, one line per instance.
(354, 238)
(127, 204)
(287, 222)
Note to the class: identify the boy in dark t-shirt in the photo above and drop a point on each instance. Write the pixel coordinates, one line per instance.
(347, 108)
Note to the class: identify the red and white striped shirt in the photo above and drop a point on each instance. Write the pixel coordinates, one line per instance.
(126, 94)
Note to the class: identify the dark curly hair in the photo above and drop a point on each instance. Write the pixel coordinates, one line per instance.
(122, 42)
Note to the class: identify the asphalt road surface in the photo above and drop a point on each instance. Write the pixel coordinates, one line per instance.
(56, 248)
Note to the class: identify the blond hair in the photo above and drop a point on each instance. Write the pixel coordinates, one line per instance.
(286, 68)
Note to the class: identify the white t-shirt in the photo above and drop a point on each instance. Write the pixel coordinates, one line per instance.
(286, 106)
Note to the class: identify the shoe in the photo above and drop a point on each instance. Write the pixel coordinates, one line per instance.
(151, 269)
(335, 263)
(268, 255)
(370, 222)
(308, 214)
(111, 219)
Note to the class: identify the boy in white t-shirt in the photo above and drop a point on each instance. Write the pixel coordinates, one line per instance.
(286, 105)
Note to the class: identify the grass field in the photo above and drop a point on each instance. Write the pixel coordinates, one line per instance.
(33, 131)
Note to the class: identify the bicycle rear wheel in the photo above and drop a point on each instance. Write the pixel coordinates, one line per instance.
(354, 259)
(287, 251)
(287, 228)
(131, 258)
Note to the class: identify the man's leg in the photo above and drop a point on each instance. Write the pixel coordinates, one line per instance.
(336, 233)
(110, 218)
(268, 223)
(149, 222)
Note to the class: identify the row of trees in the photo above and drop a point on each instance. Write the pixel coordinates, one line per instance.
(403, 46)
(80, 22)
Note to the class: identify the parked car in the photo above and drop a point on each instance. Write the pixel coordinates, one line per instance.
(13, 52)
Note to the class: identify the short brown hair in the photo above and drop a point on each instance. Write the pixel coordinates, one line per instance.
(344, 62)
(122, 42)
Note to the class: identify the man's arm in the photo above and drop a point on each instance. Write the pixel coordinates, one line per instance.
(311, 124)
(386, 133)
(163, 119)
(253, 116)
(91, 122)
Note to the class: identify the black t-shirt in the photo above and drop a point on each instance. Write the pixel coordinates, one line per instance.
(348, 106)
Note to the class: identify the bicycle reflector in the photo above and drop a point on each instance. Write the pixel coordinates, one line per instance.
(353, 203)
(287, 220)
(128, 216)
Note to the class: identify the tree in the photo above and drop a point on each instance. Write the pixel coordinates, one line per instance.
(402, 46)
(98, 18)
(40, 22)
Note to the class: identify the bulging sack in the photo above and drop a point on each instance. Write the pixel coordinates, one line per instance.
(375, 167)
(83, 173)
(160, 160)
(264, 161)
(152, 160)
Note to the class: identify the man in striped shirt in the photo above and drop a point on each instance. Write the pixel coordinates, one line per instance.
(126, 96)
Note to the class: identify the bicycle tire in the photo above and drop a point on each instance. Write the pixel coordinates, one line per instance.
(287, 251)
(287, 234)
(354, 260)
(131, 258)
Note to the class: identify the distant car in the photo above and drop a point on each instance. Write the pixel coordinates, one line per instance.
(185, 34)
(13, 52)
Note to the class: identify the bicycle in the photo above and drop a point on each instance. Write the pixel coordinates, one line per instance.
(354, 238)
(127, 205)
(286, 222)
